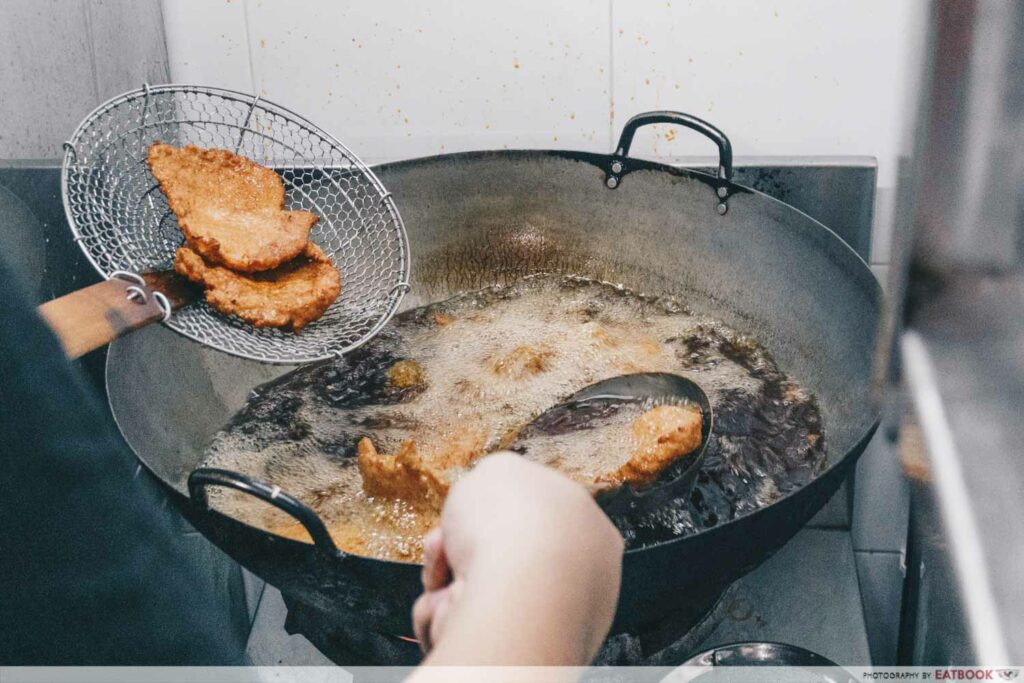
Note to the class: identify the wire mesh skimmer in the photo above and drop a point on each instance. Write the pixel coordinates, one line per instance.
(121, 220)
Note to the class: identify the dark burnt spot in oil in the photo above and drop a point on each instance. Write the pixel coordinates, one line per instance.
(359, 379)
(697, 351)
(273, 413)
(298, 429)
(734, 412)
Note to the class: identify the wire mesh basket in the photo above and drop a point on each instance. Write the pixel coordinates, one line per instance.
(121, 220)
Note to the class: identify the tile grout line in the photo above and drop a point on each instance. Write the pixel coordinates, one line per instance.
(97, 98)
(163, 34)
(611, 75)
(248, 48)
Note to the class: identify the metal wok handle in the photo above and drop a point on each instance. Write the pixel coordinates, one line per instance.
(212, 476)
(619, 165)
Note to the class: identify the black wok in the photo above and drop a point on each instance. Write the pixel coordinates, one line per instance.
(481, 218)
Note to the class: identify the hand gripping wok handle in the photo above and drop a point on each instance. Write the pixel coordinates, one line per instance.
(211, 476)
(92, 317)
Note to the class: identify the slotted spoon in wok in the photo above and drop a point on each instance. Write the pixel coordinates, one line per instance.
(121, 220)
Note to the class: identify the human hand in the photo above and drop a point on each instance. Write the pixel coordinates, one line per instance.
(524, 569)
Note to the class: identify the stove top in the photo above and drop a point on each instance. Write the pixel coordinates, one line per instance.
(660, 643)
(807, 595)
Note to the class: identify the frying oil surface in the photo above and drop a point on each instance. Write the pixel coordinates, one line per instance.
(461, 377)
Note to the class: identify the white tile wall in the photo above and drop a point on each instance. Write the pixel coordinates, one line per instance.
(207, 43)
(780, 77)
(429, 77)
(59, 59)
(406, 78)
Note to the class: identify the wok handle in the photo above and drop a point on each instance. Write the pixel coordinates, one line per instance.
(212, 476)
(681, 119)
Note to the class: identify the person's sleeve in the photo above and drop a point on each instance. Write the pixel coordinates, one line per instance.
(89, 573)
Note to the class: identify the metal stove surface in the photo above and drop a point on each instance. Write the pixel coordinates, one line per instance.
(807, 595)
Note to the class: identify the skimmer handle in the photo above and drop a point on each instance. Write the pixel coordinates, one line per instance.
(94, 316)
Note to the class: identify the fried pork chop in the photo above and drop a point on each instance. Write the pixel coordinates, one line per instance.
(403, 475)
(230, 209)
(290, 295)
(660, 436)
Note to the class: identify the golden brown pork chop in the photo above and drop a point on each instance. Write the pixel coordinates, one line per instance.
(290, 295)
(230, 209)
(404, 475)
(660, 436)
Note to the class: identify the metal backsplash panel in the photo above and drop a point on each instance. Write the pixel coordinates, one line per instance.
(836, 191)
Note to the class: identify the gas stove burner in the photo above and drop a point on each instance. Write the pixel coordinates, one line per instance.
(667, 642)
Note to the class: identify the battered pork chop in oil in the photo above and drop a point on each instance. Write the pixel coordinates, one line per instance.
(230, 209)
(660, 436)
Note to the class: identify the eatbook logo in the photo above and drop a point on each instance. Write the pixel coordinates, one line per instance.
(971, 674)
